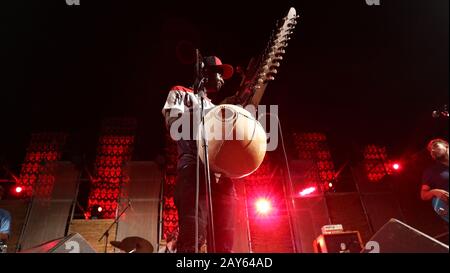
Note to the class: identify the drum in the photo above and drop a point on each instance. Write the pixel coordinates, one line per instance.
(237, 142)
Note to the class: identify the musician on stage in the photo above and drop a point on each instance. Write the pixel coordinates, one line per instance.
(435, 178)
(180, 104)
(5, 224)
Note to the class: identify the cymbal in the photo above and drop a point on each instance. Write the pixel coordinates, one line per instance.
(133, 244)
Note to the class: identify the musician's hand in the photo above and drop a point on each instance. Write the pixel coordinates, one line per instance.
(445, 196)
(441, 194)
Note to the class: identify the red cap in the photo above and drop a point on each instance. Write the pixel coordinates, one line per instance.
(225, 69)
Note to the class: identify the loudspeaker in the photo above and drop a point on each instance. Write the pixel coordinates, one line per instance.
(398, 237)
(73, 243)
(340, 242)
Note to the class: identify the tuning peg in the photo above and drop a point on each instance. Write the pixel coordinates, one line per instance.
(284, 45)
(260, 80)
(293, 21)
(280, 52)
(280, 38)
(273, 71)
(275, 65)
(277, 59)
(270, 78)
(271, 55)
(276, 54)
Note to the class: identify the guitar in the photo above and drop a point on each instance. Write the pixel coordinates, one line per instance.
(440, 206)
(261, 70)
(231, 120)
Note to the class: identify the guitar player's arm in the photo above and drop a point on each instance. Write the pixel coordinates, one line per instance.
(169, 119)
(427, 193)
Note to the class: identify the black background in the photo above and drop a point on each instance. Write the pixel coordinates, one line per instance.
(362, 74)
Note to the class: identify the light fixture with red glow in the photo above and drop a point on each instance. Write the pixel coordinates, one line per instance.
(97, 212)
(307, 191)
(263, 206)
(396, 166)
(18, 189)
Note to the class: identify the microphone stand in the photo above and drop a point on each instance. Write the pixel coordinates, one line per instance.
(199, 89)
(207, 173)
(106, 233)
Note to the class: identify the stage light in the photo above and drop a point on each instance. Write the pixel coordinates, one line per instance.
(97, 212)
(263, 206)
(330, 185)
(18, 189)
(307, 191)
(396, 166)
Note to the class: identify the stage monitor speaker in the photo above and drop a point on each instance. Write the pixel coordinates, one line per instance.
(397, 237)
(339, 242)
(73, 243)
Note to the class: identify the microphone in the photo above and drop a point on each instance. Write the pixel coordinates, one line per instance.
(199, 80)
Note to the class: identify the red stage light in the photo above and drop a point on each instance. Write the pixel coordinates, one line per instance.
(263, 206)
(396, 166)
(18, 189)
(99, 209)
(307, 191)
(330, 185)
